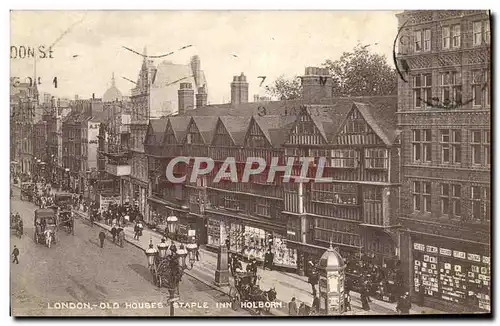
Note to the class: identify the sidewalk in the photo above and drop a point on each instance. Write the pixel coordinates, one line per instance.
(287, 285)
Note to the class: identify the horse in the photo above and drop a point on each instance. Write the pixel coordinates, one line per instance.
(48, 237)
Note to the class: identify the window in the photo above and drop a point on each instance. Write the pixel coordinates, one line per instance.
(478, 79)
(422, 145)
(480, 145)
(456, 195)
(446, 37)
(480, 203)
(451, 87)
(427, 40)
(451, 146)
(477, 33)
(426, 194)
(476, 146)
(445, 199)
(422, 90)
(456, 36)
(376, 158)
(345, 158)
(486, 148)
(418, 41)
(487, 34)
(416, 196)
(422, 196)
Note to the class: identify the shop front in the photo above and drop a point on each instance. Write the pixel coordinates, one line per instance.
(188, 227)
(451, 273)
(250, 239)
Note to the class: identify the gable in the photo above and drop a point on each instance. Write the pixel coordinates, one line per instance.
(255, 137)
(222, 136)
(169, 137)
(193, 135)
(305, 131)
(357, 131)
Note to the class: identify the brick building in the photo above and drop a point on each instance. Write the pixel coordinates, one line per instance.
(444, 115)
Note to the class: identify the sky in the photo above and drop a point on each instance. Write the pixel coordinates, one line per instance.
(87, 45)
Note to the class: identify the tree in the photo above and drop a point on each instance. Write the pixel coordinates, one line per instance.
(285, 89)
(362, 73)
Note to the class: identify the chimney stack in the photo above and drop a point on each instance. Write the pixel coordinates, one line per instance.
(317, 85)
(201, 97)
(186, 97)
(239, 89)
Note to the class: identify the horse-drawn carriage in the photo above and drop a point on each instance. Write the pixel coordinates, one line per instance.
(244, 289)
(16, 224)
(62, 203)
(27, 191)
(45, 226)
(165, 270)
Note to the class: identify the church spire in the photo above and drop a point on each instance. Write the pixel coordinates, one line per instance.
(113, 79)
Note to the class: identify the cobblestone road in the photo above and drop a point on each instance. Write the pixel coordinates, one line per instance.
(76, 270)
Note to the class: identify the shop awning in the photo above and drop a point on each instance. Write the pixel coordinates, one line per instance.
(250, 221)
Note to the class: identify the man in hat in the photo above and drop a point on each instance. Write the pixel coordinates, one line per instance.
(102, 236)
(252, 268)
(15, 253)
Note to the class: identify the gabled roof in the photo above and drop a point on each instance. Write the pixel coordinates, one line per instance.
(179, 126)
(236, 127)
(157, 127)
(380, 116)
(206, 127)
(275, 127)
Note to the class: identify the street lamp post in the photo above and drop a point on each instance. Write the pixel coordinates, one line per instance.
(171, 264)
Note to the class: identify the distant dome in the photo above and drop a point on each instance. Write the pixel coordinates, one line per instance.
(113, 93)
(331, 259)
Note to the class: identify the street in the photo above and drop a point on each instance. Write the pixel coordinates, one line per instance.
(76, 270)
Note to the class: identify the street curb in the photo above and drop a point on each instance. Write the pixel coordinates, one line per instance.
(273, 312)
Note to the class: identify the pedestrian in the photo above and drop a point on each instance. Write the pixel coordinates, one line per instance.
(121, 237)
(404, 304)
(302, 309)
(102, 236)
(364, 301)
(292, 307)
(313, 278)
(347, 301)
(315, 304)
(15, 253)
(421, 294)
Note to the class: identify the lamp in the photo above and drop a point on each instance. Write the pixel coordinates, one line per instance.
(182, 253)
(191, 249)
(162, 248)
(172, 224)
(151, 253)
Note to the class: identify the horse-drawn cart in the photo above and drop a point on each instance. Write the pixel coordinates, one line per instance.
(62, 203)
(45, 226)
(27, 191)
(245, 290)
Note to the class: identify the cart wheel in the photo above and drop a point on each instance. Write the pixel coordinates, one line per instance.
(159, 281)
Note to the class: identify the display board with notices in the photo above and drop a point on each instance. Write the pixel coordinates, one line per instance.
(452, 275)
